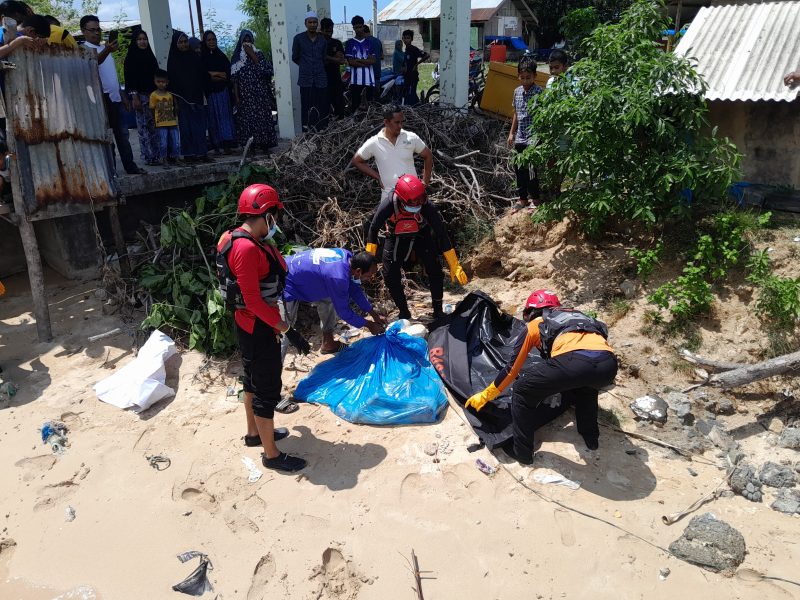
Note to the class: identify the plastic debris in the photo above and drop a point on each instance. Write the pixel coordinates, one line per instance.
(140, 383)
(69, 514)
(54, 434)
(448, 309)
(556, 480)
(663, 573)
(253, 472)
(484, 467)
(157, 460)
(197, 583)
(8, 389)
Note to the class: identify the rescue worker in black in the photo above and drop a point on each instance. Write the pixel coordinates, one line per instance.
(415, 232)
(578, 362)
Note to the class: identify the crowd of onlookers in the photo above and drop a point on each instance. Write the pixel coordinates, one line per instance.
(205, 100)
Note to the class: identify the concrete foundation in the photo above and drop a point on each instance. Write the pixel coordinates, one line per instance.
(69, 246)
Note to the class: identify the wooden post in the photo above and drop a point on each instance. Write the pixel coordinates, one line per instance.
(191, 17)
(200, 29)
(119, 242)
(41, 311)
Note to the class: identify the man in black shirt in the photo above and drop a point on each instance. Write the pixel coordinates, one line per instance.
(414, 56)
(334, 58)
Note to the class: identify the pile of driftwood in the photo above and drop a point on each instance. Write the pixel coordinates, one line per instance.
(328, 201)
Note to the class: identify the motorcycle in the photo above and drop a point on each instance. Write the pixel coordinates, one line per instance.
(477, 82)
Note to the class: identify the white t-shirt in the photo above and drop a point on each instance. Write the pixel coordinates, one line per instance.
(108, 74)
(393, 160)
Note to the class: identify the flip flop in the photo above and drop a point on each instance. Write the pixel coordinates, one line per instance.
(286, 407)
(251, 441)
(339, 346)
(284, 462)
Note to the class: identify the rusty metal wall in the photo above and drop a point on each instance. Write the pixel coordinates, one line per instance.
(58, 130)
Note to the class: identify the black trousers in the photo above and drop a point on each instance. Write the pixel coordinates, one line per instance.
(314, 107)
(527, 179)
(336, 96)
(577, 377)
(355, 95)
(398, 252)
(261, 359)
(113, 109)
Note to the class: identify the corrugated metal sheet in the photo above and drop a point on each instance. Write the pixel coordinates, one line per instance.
(407, 10)
(744, 51)
(60, 131)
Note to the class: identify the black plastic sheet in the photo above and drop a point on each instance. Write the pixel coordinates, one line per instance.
(468, 350)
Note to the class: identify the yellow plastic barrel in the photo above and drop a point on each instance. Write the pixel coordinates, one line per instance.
(501, 81)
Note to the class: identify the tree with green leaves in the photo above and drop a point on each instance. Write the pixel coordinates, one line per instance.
(257, 12)
(626, 129)
(65, 10)
(551, 12)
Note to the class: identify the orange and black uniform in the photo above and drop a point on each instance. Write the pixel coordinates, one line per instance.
(410, 236)
(580, 363)
(260, 271)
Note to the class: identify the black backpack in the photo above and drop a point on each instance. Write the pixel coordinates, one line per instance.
(561, 320)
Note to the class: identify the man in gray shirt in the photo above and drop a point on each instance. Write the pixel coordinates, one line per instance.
(308, 52)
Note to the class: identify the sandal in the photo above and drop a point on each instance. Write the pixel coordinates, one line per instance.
(286, 407)
(251, 441)
(283, 462)
(519, 205)
(339, 346)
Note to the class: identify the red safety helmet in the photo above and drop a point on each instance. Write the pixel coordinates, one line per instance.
(542, 299)
(411, 191)
(257, 199)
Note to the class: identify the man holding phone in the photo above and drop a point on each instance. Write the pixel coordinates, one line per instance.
(114, 100)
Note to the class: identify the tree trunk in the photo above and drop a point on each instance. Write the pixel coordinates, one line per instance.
(713, 365)
(748, 374)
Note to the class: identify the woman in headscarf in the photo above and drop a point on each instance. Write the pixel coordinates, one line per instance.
(140, 69)
(196, 45)
(251, 73)
(187, 80)
(398, 57)
(221, 131)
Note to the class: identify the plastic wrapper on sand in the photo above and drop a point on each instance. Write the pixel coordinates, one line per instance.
(140, 383)
(381, 380)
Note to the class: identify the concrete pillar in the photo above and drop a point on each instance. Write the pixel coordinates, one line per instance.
(286, 19)
(324, 8)
(454, 58)
(157, 23)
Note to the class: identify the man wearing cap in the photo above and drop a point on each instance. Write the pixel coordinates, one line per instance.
(252, 276)
(309, 49)
(415, 233)
(577, 363)
(393, 149)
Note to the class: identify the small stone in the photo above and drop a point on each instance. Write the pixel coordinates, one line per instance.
(721, 438)
(663, 573)
(710, 543)
(692, 472)
(790, 438)
(654, 360)
(750, 487)
(787, 501)
(628, 289)
(725, 407)
(745, 482)
(634, 369)
(726, 494)
(650, 408)
(775, 425)
(735, 456)
(775, 475)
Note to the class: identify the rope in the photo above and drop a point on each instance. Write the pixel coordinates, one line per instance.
(157, 460)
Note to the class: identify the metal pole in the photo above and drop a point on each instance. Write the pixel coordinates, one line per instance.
(191, 16)
(200, 19)
(375, 17)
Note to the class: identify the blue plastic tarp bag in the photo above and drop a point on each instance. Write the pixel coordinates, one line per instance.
(381, 380)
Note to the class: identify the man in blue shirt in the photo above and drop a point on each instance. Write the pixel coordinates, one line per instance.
(308, 52)
(360, 54)
(331, 279)
(377, 48)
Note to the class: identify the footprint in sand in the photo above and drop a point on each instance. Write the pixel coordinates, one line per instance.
(199, 497)
(35, 466)
(264, 571)
(454, 482)
(565, 527)
(338, 581)
(245, 514)
(50, 495)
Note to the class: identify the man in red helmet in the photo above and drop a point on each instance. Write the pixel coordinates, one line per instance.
(578, 362)
(252, 276)
(411, 223)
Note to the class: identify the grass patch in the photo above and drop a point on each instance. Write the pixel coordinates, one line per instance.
(425, 77)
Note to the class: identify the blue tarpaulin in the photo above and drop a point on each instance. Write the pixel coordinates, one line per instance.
(381, 380)
(515, 42)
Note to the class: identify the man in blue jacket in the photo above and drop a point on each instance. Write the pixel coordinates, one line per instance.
(331, 278)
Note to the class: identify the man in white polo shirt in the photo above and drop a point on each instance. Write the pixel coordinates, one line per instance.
(393, 150)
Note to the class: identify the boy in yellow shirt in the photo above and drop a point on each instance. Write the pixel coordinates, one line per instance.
(165, 114)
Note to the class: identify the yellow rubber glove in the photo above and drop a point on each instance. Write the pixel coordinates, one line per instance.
(372, 248)
(2, 288)
(479, 400)
(456, 272)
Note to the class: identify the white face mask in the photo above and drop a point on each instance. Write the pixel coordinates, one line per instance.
(412, 209)
(272, 230)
